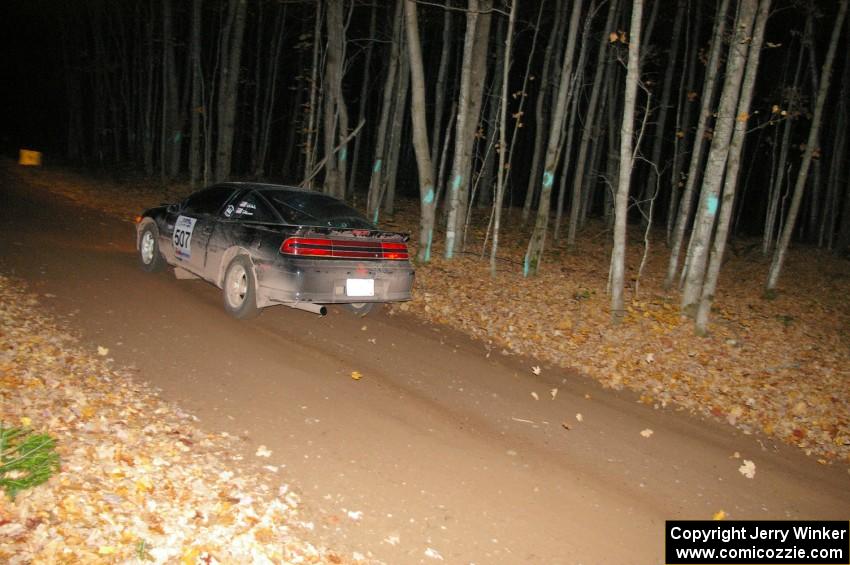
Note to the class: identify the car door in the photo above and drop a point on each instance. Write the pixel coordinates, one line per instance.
(194, 227)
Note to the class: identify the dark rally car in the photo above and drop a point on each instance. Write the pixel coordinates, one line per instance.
(266, 244)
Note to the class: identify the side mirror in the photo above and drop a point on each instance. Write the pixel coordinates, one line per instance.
(173, 208)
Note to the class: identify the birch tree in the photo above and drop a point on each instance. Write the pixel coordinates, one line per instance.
(335, 110)
(458, 174)
(802, 175)
(718, 155)
(583, 166)
(373, 201)
(621, 200)
(686, 200)
(504, 148)
(420, 134)
(536, 244)
(732, 166)
(540, 110)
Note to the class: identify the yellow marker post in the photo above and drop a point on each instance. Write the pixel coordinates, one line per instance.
(29, 158)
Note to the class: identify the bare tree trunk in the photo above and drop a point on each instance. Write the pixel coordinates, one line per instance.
(440, 84)
(686, 201)
(802, 175)
(779, 169)
(310, 143)
(269, 94)
(420, 134)
(736, 147)
(197, 110)
(838, 167)
(537, 242)
(814, 201)
(666, 93)
(476, 100)
(336, 112)
(376, 183)
(484, 181)
(229, 88)
(717, 158)
(459, 171)
(361, 109)
(504, 149)
(577, 193)
(683, 118)
(621, 201)
(396, 135)
(540, 110)
(171, 123)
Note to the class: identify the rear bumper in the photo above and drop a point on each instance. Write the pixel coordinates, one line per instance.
(289, 280)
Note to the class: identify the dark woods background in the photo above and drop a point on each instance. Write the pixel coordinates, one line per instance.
(249, 89)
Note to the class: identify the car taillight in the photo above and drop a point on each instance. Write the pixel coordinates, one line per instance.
(344, 248)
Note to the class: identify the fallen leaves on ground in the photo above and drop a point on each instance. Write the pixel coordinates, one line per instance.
(748, 469)
(778, 366)
(139, 480)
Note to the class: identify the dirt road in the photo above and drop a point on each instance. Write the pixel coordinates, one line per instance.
(441, 449)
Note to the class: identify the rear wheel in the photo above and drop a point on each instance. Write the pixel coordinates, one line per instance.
(150, 258)
(362, 308)
(240, 289)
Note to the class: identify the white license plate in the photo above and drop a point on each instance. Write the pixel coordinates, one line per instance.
(360, 287)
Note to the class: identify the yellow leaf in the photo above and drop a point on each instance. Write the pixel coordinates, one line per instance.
(719, 515)
(356, 375)
(26, 422)
(189, 556)
(106, 550)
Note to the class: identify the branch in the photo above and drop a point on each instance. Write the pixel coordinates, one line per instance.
(320, 165)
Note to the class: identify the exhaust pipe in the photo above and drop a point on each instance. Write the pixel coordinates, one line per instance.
(309, 307)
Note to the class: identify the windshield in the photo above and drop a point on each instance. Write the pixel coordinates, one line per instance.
(314, 209)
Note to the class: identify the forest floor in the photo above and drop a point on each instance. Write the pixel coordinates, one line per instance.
(140, 481)
(776, 365)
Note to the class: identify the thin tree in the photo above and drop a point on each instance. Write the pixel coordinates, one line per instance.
(231, 55)
(802, 175)
(420, 134)
(373, 200)
(621, 200)
(686, 201)
(197, 109)
(458, 174)
(504, 149)
(540, 111)
(536, 243)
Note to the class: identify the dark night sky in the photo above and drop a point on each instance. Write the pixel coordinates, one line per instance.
(31, 77)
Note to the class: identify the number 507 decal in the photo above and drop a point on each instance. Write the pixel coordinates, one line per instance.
(182, 239)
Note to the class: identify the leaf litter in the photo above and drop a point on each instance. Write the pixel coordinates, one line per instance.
(139, 481)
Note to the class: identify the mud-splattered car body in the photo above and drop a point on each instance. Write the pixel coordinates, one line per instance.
(270, 244)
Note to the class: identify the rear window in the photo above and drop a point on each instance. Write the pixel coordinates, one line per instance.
(314, 209)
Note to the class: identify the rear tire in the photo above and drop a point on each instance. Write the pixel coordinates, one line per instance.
(150, 259)
(240, 289)
(362, 308)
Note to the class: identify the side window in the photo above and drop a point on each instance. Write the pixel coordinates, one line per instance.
(208, 201)
(249, 207)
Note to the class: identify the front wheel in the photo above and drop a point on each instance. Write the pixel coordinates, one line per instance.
(150, 258)
(240, 289)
